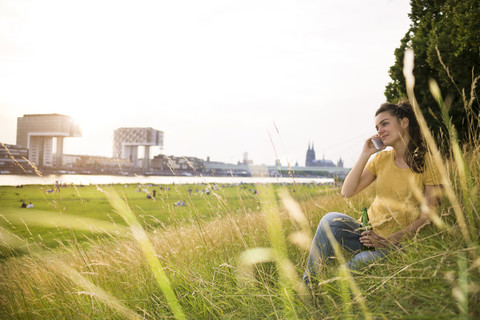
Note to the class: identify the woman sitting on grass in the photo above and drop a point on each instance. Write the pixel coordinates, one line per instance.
(407, 188)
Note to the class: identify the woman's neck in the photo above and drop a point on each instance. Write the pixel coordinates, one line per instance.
(400, 149)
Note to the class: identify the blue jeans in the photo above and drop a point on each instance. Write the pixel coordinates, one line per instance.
(346, 231)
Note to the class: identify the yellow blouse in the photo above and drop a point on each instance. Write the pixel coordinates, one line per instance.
(399, 193)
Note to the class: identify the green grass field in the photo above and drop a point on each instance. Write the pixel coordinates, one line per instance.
(88, 204)
(79, 225)
(68, 266)
(108, 252)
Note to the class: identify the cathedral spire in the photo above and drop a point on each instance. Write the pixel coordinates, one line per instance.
(310, 157)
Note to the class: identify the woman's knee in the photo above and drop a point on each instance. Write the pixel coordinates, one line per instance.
(331, 216)
(332, 219)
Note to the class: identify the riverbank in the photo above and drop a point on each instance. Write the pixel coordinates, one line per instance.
(15, 180)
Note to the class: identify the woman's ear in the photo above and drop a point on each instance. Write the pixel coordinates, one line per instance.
(404, 122)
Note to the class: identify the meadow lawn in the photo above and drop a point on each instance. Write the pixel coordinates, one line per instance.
(236, 252)
(73, 213)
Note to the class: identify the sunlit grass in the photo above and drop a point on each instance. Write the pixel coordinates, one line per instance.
(122, 208)
(202, 260)
(186, 249)
(236, 253)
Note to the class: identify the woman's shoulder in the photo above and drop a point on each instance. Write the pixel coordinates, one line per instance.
(383, 155)
(379, 160)
(431, 172)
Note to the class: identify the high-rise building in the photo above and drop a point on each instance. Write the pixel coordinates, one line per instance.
(127, 140)
(43, 134)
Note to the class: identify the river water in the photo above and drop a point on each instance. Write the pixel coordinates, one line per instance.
(77, 179)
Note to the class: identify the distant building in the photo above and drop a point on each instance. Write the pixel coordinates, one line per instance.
(310, 160)
(340, 163)
(12, 157)
(127, 140)
(96, 162)
(43, 134)
(72, 160)
(216, 168)
(246, 161)
(171, 163)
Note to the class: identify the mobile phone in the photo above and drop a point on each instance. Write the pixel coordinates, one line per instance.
(378, 143)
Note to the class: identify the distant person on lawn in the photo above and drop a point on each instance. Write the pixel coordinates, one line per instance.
(407, 189)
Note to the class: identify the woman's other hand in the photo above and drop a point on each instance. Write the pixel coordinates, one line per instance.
(370, 239)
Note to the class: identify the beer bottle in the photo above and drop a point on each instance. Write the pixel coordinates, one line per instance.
(365, 223)
(366, 226)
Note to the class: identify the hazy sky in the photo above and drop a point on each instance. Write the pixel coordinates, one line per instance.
(218, 77)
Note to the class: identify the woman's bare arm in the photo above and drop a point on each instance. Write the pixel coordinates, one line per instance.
(359, 178)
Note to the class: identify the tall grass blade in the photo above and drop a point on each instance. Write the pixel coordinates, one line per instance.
(96, 291)
(437, 158)
(248, 259)
(42, 218)
(289, 282)
(15, 242)
(302, 238)
(346, 279)
(460, 291)
(345, 294)
(466, 181)
(288, 279)
(468, 104)
(122, 208)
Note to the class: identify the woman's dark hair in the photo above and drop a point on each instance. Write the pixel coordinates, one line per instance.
(416, 149)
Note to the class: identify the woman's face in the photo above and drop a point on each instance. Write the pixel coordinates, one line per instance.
(390, 129)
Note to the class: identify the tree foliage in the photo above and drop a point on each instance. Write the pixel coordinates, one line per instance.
(445, 37)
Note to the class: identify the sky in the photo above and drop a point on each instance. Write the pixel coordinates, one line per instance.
(218, 77)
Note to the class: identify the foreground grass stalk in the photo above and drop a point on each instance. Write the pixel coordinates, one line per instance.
(346, 279)
(437, 158)
(468, 104)
(460, 292)
(279, 249)
(464, 173)
(96, 292)
(346, 297)
(13, 242)
(63, 269)
(121, 206)
(289, 282)
(303, 238)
